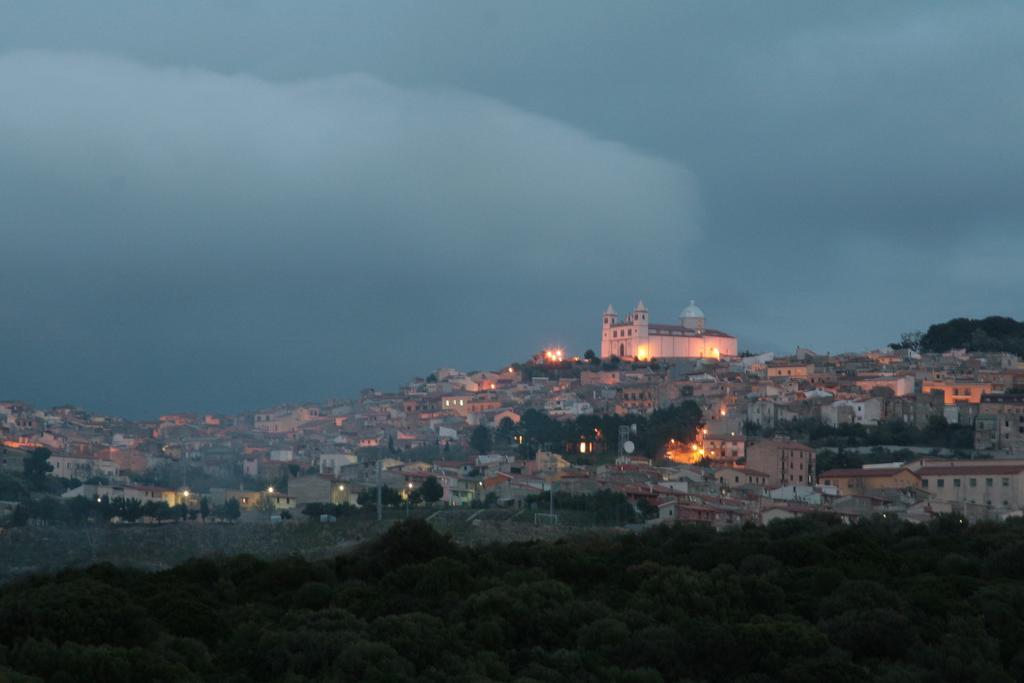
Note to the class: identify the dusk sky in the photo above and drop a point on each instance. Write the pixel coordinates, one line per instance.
(224, 206)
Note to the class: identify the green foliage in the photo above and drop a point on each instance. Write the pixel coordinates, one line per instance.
(314, 510)
(388, 496)
(230, 510)
(653, 432)
(809, 599)
(36, 467)
(431, 490)
(994, 333)
(82, 510)
(480, 440)
(938, 433)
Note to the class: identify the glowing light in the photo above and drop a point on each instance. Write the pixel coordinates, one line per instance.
(270, 489)
(583, 446)
(185, 493)
(341, 487)
(643, 353)
(554, 355)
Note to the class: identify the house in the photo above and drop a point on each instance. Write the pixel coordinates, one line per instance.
(784, 461)
(857, 481)
(734, 477)
(994, 484)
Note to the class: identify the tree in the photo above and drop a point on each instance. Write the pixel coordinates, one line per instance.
(230, 510)
(910, 341)
(480, 439)
(431, 490)
(36, 467)
(589, 355)
(388, 496)
(505, 429)
(204, 507)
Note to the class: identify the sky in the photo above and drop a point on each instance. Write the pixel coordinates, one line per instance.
(222, 206)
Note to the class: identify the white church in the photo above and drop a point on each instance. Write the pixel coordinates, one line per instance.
(636, 338)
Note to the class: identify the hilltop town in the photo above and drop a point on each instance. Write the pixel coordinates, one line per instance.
(669, 423)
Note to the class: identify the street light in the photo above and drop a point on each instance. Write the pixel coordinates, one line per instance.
(270, 489)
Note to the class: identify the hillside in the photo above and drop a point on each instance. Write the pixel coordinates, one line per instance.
(804, 600)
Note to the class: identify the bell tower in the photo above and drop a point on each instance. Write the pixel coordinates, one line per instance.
(606, 331)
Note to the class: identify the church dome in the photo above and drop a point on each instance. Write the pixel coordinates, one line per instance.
(692, 311)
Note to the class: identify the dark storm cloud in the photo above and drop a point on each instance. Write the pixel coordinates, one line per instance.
(225, 205)
(307, 231)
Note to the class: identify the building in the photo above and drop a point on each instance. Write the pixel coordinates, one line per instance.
(12, 460)
(863, 412)
(899, 385)
(958, 391)
(636, 338)
(731, 447)
(993, 484)
(999, 425)
(860, 480)
(789, 370)
(785, 462)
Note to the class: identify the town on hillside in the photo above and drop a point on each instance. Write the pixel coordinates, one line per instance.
(665, 423)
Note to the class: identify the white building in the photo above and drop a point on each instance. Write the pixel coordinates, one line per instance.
(636, 338)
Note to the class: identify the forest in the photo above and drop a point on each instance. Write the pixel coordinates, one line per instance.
(995, 333)
(809, 599)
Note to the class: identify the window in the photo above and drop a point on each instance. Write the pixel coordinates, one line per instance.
(941, 483)
(1006, 481)
(972, 482)
(988, 481)
(956, 483)
(924, 483)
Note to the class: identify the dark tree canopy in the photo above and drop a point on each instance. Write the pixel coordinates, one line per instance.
(480, 440)
(809, 599)
(431, 490)
(36, 466)
(995, 333)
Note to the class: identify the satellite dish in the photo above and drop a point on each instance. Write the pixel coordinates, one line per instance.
(628, 447)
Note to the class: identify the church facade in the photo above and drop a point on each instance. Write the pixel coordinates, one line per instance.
(636, 338)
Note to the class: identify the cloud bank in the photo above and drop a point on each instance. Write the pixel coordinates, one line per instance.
(180, 237)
